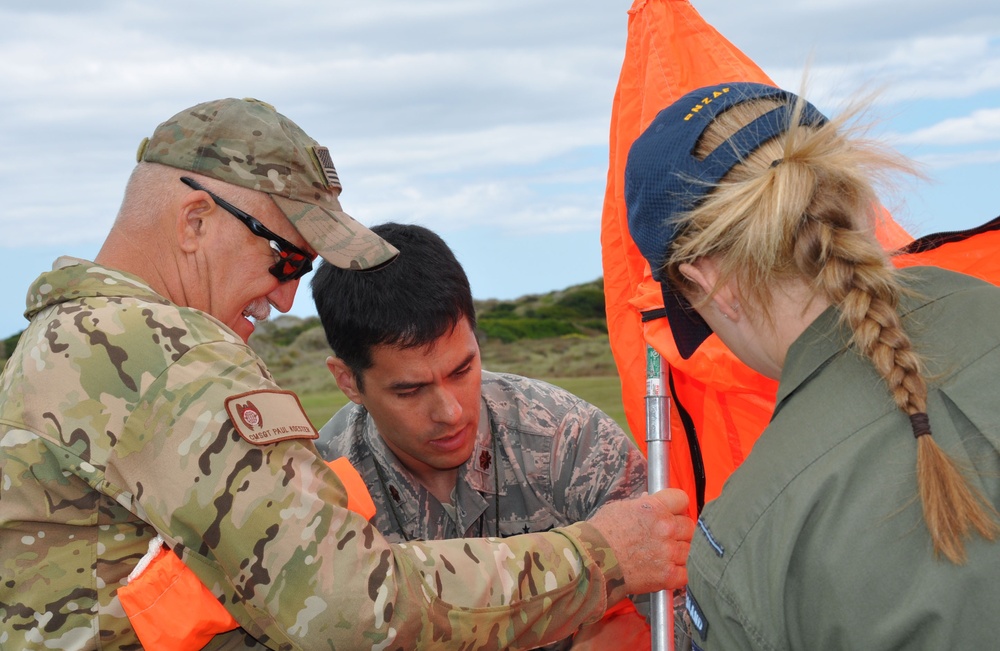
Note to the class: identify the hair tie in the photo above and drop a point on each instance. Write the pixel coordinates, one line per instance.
(776, 162)
(920, 423)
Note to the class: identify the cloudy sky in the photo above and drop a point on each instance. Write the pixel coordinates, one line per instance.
(487, 121)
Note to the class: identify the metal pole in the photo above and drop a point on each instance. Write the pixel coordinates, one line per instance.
(661, 607)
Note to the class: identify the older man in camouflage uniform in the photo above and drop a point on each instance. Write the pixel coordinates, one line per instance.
(132, 407)
(447, 449)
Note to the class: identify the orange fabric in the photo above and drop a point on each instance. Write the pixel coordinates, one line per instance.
(170, 608)
(975, 255)
(622, 627)
(359, 499)
(671, 50)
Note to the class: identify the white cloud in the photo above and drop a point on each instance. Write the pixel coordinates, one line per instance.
(961, 159)
(460, 114)
(978, 127)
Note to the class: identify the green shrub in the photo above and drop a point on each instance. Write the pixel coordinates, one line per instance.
(598, 325)
(553, 312)
(7, 345)
(285, 335)
(500, 309)
(508, 330)
(585, 303)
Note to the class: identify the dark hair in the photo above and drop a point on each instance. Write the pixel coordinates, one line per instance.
(410, 301)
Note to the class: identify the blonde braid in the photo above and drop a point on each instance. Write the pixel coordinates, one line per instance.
(866, 290)
(803, 206)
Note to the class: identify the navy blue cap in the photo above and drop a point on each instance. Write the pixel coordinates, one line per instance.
(665, 179)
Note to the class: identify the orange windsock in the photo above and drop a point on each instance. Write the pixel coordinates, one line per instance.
(720, 405)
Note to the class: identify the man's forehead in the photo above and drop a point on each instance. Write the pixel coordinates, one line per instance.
(394, 365)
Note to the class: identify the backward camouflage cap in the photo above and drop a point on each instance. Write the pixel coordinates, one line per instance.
(246, 142)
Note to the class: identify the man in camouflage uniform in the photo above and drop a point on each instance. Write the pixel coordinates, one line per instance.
(447, 449)
(132, 407)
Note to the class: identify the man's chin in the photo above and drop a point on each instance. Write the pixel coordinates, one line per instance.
(454, 451)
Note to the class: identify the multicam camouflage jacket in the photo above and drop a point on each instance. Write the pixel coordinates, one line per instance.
(559, 459)
(114, 427)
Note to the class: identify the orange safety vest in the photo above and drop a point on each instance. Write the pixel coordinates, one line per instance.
(170, 608)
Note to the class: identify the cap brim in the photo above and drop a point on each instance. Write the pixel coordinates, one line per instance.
(686, 325)
(336, 236)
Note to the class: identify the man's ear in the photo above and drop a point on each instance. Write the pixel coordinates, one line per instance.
(704, 273)
(190, 224)
(345, 378)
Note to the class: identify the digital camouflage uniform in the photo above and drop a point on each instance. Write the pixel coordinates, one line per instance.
(114, 428)
(561, 458)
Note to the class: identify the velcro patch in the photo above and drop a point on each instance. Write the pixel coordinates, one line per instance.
(263, 417)
(326, 168)
(698, 621)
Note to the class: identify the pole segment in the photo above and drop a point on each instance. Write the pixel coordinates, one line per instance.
(661, 609)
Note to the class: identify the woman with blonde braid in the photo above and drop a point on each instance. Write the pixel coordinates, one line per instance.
(866, 515)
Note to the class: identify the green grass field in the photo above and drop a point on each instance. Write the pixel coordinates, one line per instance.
(603, 391)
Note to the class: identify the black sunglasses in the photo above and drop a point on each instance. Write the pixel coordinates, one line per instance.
(292, 262)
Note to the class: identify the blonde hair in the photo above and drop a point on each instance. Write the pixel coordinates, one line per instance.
(804, 206)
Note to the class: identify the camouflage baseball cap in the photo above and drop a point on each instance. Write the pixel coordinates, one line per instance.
(247, 142)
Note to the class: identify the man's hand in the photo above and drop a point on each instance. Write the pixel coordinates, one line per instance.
(651, 536)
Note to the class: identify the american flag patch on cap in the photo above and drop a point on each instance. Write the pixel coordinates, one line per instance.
(322, 155)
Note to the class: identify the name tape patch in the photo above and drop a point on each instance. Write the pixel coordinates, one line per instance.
(698, 621)
(264, 417)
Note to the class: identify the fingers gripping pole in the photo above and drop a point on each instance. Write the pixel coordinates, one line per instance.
(657, 440)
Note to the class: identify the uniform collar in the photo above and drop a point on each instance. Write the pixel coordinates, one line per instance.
(475, 487)
(827, 337)
(75, 279)
(819, 343)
